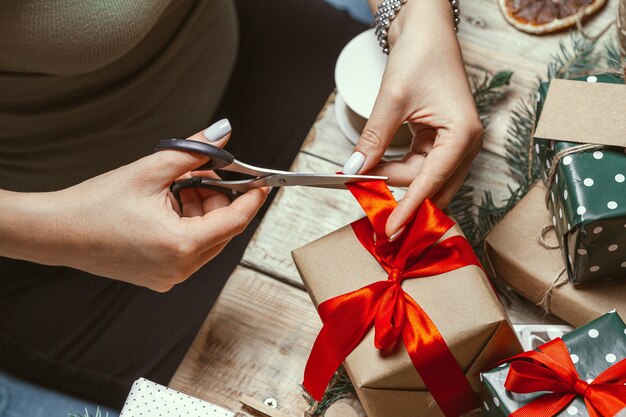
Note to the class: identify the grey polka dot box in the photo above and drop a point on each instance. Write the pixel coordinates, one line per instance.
(149, 399)
(587, 188)
(593, 348)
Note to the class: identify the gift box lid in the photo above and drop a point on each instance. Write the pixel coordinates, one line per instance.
(147, 398)
(461, 303)
(593, 348)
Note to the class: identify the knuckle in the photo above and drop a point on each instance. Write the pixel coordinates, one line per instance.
(436, 181)
(370, 138)
(180, 247)
(474, 128)
(240, 222)
(162, 287)
(394, 90)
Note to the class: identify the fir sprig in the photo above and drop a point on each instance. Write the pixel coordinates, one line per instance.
(339, 388)
(488, 90)
(575, 60)
(88, 414)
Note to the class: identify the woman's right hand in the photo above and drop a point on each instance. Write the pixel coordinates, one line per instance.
(125, 225)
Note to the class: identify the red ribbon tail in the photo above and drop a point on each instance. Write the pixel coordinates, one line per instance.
(347, 319)
(433, 360)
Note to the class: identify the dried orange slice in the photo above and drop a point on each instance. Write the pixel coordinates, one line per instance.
(545, 16)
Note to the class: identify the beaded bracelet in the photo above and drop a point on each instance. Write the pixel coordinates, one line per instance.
(388, 10)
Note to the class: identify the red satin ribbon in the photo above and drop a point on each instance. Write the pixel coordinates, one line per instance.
(551, 369)
(384, 304)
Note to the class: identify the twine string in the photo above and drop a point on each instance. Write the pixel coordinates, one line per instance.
(541, 239)
(559, 280)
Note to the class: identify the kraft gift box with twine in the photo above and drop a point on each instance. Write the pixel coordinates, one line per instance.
(520, 253)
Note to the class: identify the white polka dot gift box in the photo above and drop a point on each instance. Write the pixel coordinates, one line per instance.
(579, 145)
(564, 377)
(149, 399)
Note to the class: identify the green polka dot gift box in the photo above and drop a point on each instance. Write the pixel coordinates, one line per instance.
(592, 353)
(579, 145)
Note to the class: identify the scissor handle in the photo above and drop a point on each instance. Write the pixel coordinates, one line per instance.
(219, 158)
(197, 182)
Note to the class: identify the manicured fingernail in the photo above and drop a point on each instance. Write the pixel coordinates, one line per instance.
(395, 235)
(217, 130)
(354, 164)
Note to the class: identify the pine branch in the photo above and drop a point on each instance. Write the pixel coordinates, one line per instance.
(616, 64)
(575, 61)
(88, 414)
(339, 388)
(488, 90)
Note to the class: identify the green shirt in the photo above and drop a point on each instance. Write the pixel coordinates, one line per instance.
(89, 85)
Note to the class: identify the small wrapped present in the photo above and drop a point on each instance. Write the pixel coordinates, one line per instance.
(413, 320)
(516, 253)
(147, 398)
(581, 374)
(579, 144)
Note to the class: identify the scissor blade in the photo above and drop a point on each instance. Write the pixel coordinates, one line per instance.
(318, 180)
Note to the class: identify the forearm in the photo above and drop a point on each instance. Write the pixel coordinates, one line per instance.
(30, 227)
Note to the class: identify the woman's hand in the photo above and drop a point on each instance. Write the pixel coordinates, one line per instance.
(125, 224)
(425, 84)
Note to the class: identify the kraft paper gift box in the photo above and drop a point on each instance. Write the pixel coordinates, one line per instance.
(461, 303)
(587, 189)
(514, 255)
(593, 347)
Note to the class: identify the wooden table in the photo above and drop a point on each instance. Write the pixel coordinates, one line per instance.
(257, 338)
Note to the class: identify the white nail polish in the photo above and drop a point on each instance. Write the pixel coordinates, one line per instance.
(217, 130)
(354, 164)
(395, 235)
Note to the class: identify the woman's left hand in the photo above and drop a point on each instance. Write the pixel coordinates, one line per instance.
(426, 85)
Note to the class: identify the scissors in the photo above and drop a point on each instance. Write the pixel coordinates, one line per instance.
(219, 159)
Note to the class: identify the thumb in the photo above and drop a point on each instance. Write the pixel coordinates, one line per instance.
(380, 128)
(167, 165)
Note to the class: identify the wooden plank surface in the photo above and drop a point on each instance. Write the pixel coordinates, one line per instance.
(254, 342)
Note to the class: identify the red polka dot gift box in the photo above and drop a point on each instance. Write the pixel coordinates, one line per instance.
(579, 146)
(581, 374)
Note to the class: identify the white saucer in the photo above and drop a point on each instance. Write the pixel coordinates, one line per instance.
(351, 124)
(358, 75)
(359, 72)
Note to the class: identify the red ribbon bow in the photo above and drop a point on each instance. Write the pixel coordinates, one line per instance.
(384, 304)
(551, 369)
